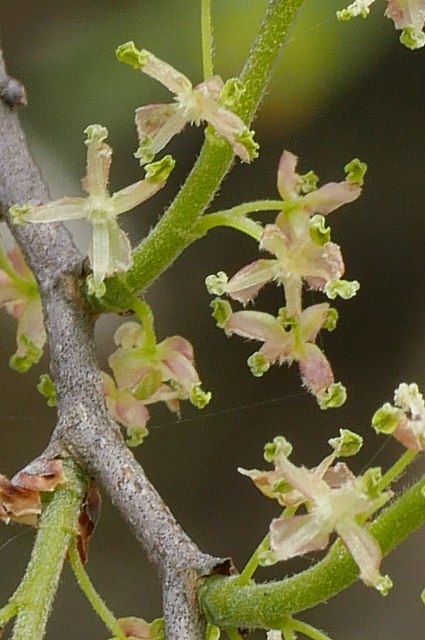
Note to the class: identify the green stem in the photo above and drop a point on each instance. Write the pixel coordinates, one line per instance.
(58, 526)
(228, 604)
(214, 220)
(396, 470)
(91, 594)
(254, 561)
(145, 315)
(308, 630)
(174, 232)
(252, 207)
(207, 39)
(7, 612)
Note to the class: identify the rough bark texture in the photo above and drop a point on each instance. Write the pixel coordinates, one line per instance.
(84, 428)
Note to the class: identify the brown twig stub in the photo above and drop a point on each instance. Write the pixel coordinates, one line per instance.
(13, 93)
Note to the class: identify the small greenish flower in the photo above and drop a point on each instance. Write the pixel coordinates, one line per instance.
(296, 343)
(407, 15)
(210, 101)
(146, 372)
(110, 250)
(405, 419)
(19, 296)
(333, 499)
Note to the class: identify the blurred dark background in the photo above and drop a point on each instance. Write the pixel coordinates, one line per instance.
(341, 90)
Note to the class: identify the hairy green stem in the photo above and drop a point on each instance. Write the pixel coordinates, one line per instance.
(145, 315)
(214, 220)
(228, 604)
(174, 232)
(91, 594)
(396, 470)
(308, 630)
(58, 525)
(207, 39)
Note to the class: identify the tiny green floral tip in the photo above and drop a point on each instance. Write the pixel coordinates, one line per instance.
(384, 585)
(258, 364)
(412, 39)
(345, 289)
(232, 91)
(371, 481)
(331, 319)
(386, 419)
(144, 153)
(222, 311)
(216, 283)
(279, 446)
(47, 388)
(246, 138)
(131, 55)
(334, 397)
(199, 398)
(319, 232)
(355, 171)
(135, 436)
(348, 443)
(95, 134)
(308, 182)
(31, 355)
(19, 213)
(160, 170)
(94, 287)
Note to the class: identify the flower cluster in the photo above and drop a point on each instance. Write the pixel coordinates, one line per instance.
(334, 500)
(208, 102)
(303, 254)
(146, 372)
(20, 297)
(407, 15)
(109, 250)
(405, 419)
